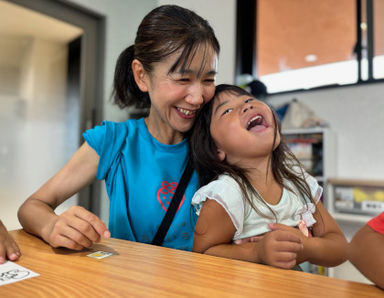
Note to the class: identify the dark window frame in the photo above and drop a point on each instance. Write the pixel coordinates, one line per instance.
(246, 60)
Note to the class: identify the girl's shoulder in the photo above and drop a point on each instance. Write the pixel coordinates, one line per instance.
(226, 192)
(224, 188)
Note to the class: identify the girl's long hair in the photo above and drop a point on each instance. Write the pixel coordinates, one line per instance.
(284, 164)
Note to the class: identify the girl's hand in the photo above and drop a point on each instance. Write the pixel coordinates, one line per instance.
(302, 256)
(8, 247)
(279, 248)
(76, 229)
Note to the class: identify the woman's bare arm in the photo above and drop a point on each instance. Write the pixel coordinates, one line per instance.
(76, 228)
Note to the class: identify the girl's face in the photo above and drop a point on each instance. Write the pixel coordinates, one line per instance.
(242, 128)
(177, 97)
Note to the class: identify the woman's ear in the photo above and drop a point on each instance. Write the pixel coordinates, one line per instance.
(140, 75)
(221, 154)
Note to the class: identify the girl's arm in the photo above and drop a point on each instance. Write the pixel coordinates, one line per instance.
(214, 232)
(76, 228)
(328, 245)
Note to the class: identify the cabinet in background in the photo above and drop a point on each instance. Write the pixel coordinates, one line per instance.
(315, 148)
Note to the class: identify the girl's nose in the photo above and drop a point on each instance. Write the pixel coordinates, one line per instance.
(247, 107)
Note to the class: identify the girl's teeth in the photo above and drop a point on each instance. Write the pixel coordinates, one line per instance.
(254, 119)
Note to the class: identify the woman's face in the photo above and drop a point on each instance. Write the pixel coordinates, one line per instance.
(177, 97)
(243, 128)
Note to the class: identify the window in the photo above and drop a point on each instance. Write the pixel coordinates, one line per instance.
(303, 44)
(378, 25)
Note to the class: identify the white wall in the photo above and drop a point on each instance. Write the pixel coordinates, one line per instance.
(221, 14)
(122, 19)
(31, 112)
(356, 115)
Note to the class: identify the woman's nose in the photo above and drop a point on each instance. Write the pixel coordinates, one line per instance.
(195, 96)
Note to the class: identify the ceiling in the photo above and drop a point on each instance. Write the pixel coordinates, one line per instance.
(19, 22)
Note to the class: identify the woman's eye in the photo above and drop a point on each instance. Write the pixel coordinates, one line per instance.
(209, 80)
(183, 80)
(249, 100)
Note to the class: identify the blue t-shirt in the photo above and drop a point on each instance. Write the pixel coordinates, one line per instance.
(141, 175)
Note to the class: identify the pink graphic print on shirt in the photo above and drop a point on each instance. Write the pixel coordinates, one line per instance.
(165, 194)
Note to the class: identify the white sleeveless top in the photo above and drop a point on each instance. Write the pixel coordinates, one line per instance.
(290, 210)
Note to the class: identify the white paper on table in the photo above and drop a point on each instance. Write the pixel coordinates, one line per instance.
(11, 272)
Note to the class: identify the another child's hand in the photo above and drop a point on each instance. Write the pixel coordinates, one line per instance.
(76, 229)
(8, 247)
(281, 227)
(279, 248)
(248, 239)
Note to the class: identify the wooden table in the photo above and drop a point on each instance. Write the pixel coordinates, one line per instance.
(143, 270)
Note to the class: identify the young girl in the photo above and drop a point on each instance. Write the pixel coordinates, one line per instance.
(170, 70)
(256, 188)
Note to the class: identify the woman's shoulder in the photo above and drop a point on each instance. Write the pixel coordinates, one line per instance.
(109, 129)
(122, 125)
(110, 134)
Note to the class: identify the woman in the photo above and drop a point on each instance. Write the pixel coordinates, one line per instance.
(170, 70)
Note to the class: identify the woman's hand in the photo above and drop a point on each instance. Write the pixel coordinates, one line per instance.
(76, 229)
(8, 247)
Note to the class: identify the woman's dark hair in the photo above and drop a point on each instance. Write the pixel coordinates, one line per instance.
(283, 162)
(163, 31)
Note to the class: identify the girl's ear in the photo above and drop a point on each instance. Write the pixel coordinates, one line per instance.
(221, 154)
(140, 75)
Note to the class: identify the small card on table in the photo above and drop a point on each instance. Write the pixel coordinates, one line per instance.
(11, 272)
(100, 254)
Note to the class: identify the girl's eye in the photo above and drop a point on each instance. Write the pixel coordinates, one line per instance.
(209, 81)
(226, 111)
(249, 100)
(183, 80)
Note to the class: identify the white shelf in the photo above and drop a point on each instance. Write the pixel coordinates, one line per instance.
(353, 218)
(309, 130)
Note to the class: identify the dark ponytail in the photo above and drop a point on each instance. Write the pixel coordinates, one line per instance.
(125, 90)
(165, 30)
